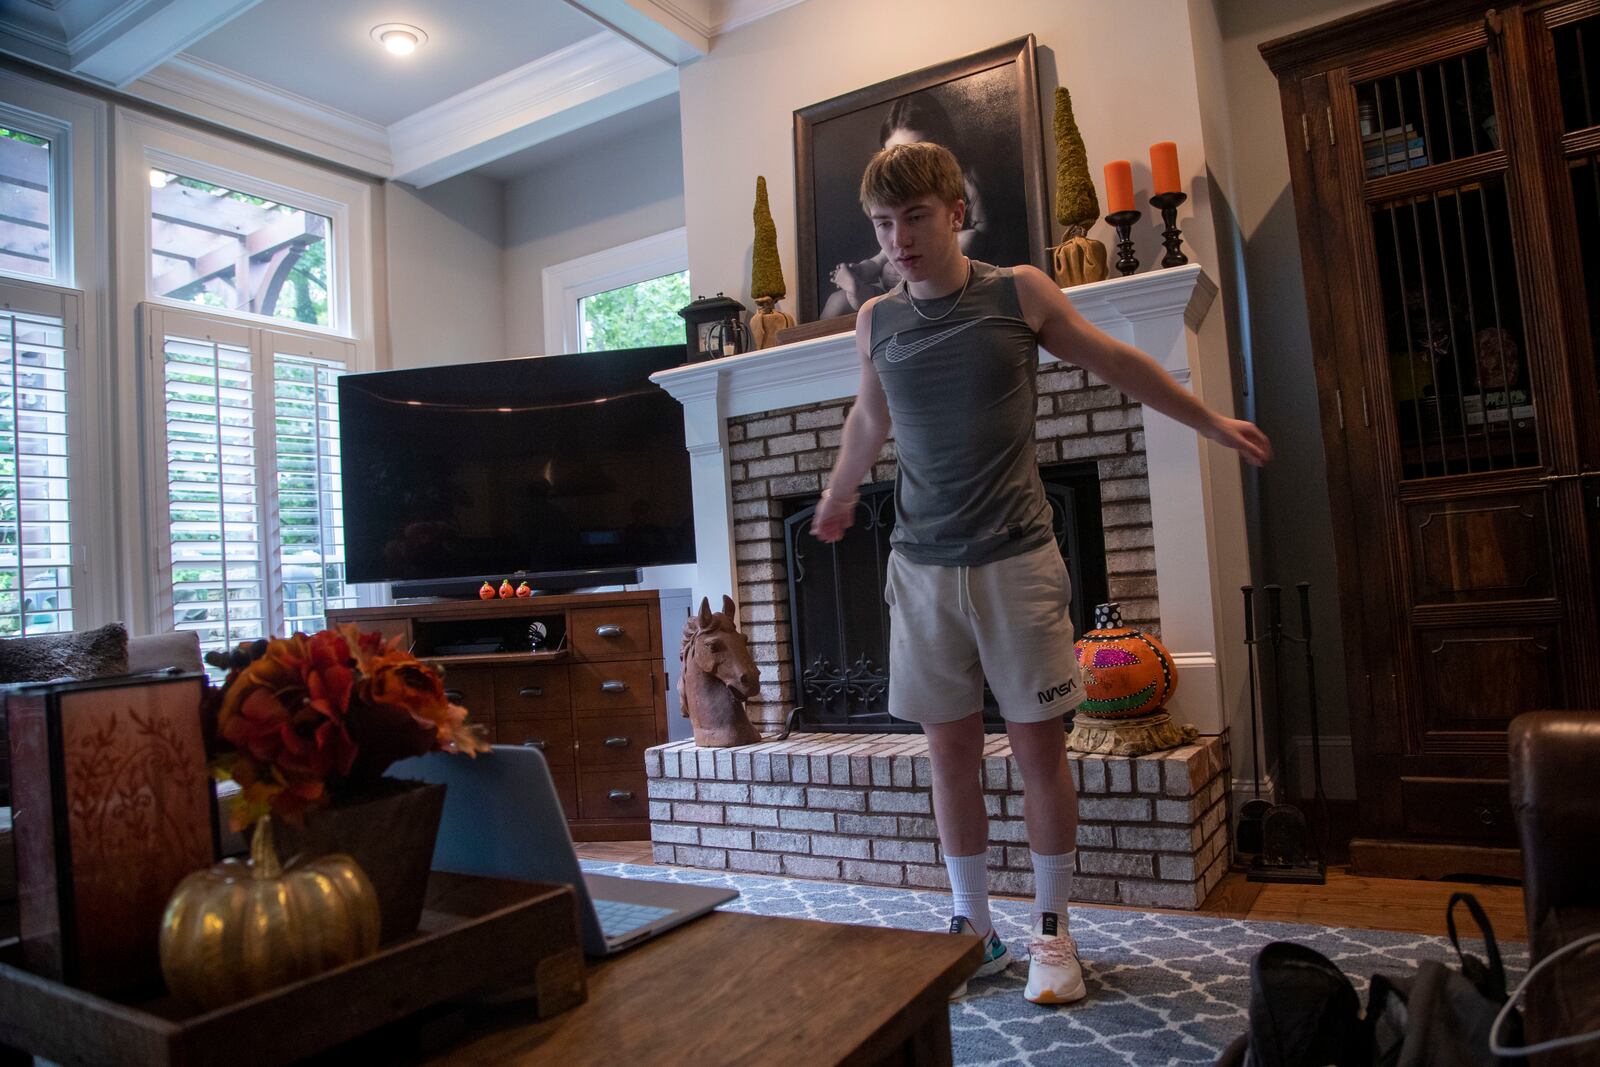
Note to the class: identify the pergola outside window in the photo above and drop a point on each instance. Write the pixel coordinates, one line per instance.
(219, 248)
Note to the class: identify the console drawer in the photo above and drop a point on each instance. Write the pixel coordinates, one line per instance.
(604, 632)
(473, 689)
(552, 736)
(617, 741)
(614, 686)
(567, 790)
(528, 692)
(612, 794)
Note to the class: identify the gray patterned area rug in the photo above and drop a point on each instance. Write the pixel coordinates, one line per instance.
(1163, 988)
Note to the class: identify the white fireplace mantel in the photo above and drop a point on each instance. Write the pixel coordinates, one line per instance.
(1196, 494)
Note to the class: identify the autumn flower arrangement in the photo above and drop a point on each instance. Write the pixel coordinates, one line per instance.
(305, 720)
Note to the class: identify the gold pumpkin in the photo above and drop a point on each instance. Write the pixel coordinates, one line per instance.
(238, 928)
(1079, 259)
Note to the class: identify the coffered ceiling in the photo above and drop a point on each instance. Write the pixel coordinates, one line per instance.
(493, 79)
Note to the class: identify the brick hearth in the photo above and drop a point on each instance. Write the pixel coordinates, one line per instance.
(858, 808)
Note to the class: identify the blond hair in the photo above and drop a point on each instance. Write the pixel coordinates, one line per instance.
(903, 172)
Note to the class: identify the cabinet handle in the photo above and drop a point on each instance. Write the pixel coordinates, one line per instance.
(620, 794)
(530, 691)
(614, 686)
(617, 742)
(454, 695)
(610, 629)
(534, 744)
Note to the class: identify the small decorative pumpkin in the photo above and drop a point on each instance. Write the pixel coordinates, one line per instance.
(485, 591)
(238, 929)
(1126, 672)
(506, 592)
(524, 590)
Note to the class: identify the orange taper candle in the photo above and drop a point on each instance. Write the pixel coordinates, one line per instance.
(1164, 167)
(1119, 186)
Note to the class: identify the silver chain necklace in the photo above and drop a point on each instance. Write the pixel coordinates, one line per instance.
(944, 314)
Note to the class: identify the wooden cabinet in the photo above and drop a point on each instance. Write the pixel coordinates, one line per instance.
(592, 702)
(1445, 158)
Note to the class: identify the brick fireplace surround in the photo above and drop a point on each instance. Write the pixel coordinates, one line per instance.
(764, 427)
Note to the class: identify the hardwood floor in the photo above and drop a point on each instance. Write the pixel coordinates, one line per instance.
(1346, 900)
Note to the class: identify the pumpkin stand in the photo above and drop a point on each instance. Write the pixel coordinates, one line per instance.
(1128, 677)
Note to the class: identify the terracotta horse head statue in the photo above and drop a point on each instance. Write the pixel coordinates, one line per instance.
(718, 677)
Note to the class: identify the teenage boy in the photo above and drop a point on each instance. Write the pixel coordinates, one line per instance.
(976, 586)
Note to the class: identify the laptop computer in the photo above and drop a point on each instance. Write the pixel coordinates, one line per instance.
(503, 819)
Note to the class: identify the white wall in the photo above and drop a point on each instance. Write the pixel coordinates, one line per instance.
(618, 192)
(446, 296)
(1128, 65)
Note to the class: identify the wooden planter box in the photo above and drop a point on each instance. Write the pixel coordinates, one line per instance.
(477, 936)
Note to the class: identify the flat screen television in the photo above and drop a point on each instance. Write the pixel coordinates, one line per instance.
(551, 466)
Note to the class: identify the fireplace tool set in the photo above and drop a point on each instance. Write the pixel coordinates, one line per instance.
(1277, 833)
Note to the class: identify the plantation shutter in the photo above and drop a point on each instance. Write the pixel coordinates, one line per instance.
(38, 350)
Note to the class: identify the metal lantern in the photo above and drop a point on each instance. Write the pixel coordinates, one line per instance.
(715, 327)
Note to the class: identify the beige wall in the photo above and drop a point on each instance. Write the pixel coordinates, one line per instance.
(1294, 525)
(446, 295)
(618, 192)
(1129, 66)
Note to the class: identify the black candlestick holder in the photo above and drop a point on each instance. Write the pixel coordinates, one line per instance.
(1122, 222)
(1171, 236)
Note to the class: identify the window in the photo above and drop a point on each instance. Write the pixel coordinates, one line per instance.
(27, 204)
(37, 350)
(213, 246)
(624, 297)
(635, 316)
(255, 526)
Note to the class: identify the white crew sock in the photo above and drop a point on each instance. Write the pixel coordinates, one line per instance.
(969, 884)
(1052, 882)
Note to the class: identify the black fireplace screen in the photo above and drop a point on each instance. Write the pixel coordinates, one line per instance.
(839, 624)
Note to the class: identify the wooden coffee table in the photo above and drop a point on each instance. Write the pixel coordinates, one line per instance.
(732, 988)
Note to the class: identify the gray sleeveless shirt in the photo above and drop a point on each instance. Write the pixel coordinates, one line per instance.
(962, 393)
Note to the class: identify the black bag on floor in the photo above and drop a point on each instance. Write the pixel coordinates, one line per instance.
(1440, 1016)
(1305, 1013)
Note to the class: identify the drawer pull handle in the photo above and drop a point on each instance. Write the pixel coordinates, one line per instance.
(609, 629)
(530, 691)
(618, 742)
(614, 686)
(1486, 815)
(534, 744)
(620, 795)
(454, 695)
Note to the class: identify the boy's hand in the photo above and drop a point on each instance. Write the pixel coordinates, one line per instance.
(844, 277)
(1243, 437)
(833, 517)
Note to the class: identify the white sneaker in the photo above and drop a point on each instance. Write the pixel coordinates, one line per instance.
(1054, 974)
(996, 957)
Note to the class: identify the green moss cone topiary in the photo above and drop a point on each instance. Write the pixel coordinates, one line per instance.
(1076, 202)
(766, 272)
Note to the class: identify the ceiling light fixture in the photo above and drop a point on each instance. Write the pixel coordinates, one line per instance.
(398, 38)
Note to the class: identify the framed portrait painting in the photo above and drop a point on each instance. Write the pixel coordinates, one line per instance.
(983, 107)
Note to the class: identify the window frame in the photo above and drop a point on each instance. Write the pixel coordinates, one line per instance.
(264, 343)
(59, 134)
(566, 284)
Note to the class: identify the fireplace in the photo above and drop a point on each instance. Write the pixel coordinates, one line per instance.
(839, 623)
(764, 428)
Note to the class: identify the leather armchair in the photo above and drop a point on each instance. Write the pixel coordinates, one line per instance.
(1555, 796)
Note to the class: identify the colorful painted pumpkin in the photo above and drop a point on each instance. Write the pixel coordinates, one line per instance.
(486, 591)
(1126, 672)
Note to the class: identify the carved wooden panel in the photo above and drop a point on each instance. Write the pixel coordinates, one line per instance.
(1481, 677)
(1480, 549)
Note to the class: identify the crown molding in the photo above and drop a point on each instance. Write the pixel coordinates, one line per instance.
(730, 15)
(596, 77)
(194, 86)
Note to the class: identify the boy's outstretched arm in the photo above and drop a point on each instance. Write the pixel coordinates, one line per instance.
(1067, 335)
